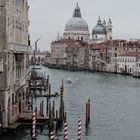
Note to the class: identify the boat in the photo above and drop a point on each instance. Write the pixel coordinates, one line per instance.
(68, 80)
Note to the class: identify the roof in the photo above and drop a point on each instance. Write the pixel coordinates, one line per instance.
(96, 46)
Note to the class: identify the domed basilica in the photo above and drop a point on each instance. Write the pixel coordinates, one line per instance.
(77, 28)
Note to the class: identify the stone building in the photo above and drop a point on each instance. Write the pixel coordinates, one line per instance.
(136, 72)
(69, 53)
(14, 53)
(127, 61)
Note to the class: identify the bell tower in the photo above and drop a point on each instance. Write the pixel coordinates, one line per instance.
(109, 30)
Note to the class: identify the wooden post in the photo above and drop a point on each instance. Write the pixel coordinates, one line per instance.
(42, 108)
(47, 107)
(86, 113)
(31, 101)
(50, 118)
(49, 90)
(88, 110)
(47, 81)
(62, 102)
(65, 117)
(56, 120)
(53, 109)
(0, 128)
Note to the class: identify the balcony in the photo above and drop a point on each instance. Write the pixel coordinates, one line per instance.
(18, 48)
(1, 65)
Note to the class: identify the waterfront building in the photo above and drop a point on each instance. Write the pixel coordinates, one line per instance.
(69, 53)
(126, 62)
(38, 57)
(58, 51)
(137, 68)
(14, 55)
(102, 31)
(76, 27)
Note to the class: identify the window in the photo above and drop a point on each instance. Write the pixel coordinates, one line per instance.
(20, 4)
(12, 99)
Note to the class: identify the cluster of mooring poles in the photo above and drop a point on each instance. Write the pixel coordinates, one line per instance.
(54, 117)
(52, 134)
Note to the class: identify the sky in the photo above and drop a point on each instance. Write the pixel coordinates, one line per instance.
(48, 17)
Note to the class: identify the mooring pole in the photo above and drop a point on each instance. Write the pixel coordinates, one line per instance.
(49, 90)
(79, 128)
(88, 110)
(47, 107)
(47, 81)
(42, 108)
(86, 113)
(61, 103)
(53, 109)
(33, 125)
(52, 137)
(56, 120)
(0, 128)
(65, 131)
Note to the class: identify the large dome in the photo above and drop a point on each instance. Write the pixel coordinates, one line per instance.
(77, 27)
(76, 24)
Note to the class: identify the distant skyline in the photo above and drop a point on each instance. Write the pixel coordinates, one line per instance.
(47, 17)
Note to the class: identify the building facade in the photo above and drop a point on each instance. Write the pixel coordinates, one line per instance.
(38, 57)
(127, 62)
(137, 69)
(14, 53)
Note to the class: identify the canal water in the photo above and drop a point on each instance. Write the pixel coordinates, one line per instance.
(115, 106)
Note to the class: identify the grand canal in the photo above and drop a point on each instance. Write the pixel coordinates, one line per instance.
(115, 106)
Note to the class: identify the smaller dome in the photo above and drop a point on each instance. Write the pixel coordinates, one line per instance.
(99, 29)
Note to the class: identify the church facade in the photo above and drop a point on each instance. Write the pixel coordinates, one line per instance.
(77, 28)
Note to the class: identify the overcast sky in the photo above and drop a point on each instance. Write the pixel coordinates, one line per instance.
(47, 17)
